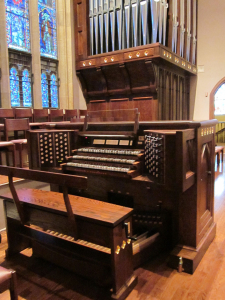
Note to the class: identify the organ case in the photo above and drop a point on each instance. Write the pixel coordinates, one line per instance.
(137, 54)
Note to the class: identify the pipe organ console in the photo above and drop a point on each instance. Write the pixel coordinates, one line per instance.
(163, 170)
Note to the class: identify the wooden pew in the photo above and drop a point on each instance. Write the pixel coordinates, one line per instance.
(87, 236)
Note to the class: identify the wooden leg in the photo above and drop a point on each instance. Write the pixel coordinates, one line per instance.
(14, 155)
(19, 147)
(21, 156)
(13, 287)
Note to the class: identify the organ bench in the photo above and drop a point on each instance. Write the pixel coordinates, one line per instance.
(90, 237)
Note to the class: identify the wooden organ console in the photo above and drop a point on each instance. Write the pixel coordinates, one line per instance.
(164, 171)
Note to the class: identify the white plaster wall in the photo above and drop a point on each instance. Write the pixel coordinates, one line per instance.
(211, 53)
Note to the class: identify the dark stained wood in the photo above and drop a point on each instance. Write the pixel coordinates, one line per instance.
(39, 279)
(56, 115)
(8, 147)
(17, 126)
(183, 190)
(6, 113)
(42, 145)
(50, 177)
(98, 225)
(70, 113)
(40, 115)
(24, 113)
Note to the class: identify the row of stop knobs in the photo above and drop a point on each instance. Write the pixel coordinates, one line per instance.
(154, 156)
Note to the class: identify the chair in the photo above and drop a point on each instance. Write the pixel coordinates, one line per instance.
(24, 113)
(69, 114)
(5, 113)
(56, 115)
(40, 115)
(17, 125)
(8, 281)
(82, 112)
(7, 147)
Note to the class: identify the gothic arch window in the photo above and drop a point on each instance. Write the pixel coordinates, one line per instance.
(17, 24)
(44, 90)
(18, 41)
(20, 79)
(47, 28)
(14, 87)
(219, 101)
(48, 49)
(26, 87)
(54, 91)
(49, 83)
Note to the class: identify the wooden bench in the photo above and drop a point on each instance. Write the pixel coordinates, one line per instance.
(89, 237)
(219, 150)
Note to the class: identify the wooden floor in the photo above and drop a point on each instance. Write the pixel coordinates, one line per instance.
(40, 280)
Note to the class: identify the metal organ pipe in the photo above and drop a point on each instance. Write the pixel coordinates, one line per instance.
(194, 32)
(175, 24)
(106, 25)
(188, 30)
(135, 22)
(127, 23)
(144, 20)
(120, 24)
(182, 28)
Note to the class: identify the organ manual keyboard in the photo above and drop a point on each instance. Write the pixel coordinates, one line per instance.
(110, 153)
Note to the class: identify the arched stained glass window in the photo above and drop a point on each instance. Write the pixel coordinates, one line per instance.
(44, 90)
(17, 24)
(47, 28)
(49, 83)
(54, 91)
(26, 86)
(20, 79)
(14, 87)
(219, 101)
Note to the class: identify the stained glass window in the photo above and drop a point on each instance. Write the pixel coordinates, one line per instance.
(219, 101)
(26, 86)
(44, 90)
(49, 84)
(47, 28)
(17, 24)
(14, 87)
(54, 91)
(20, 79)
